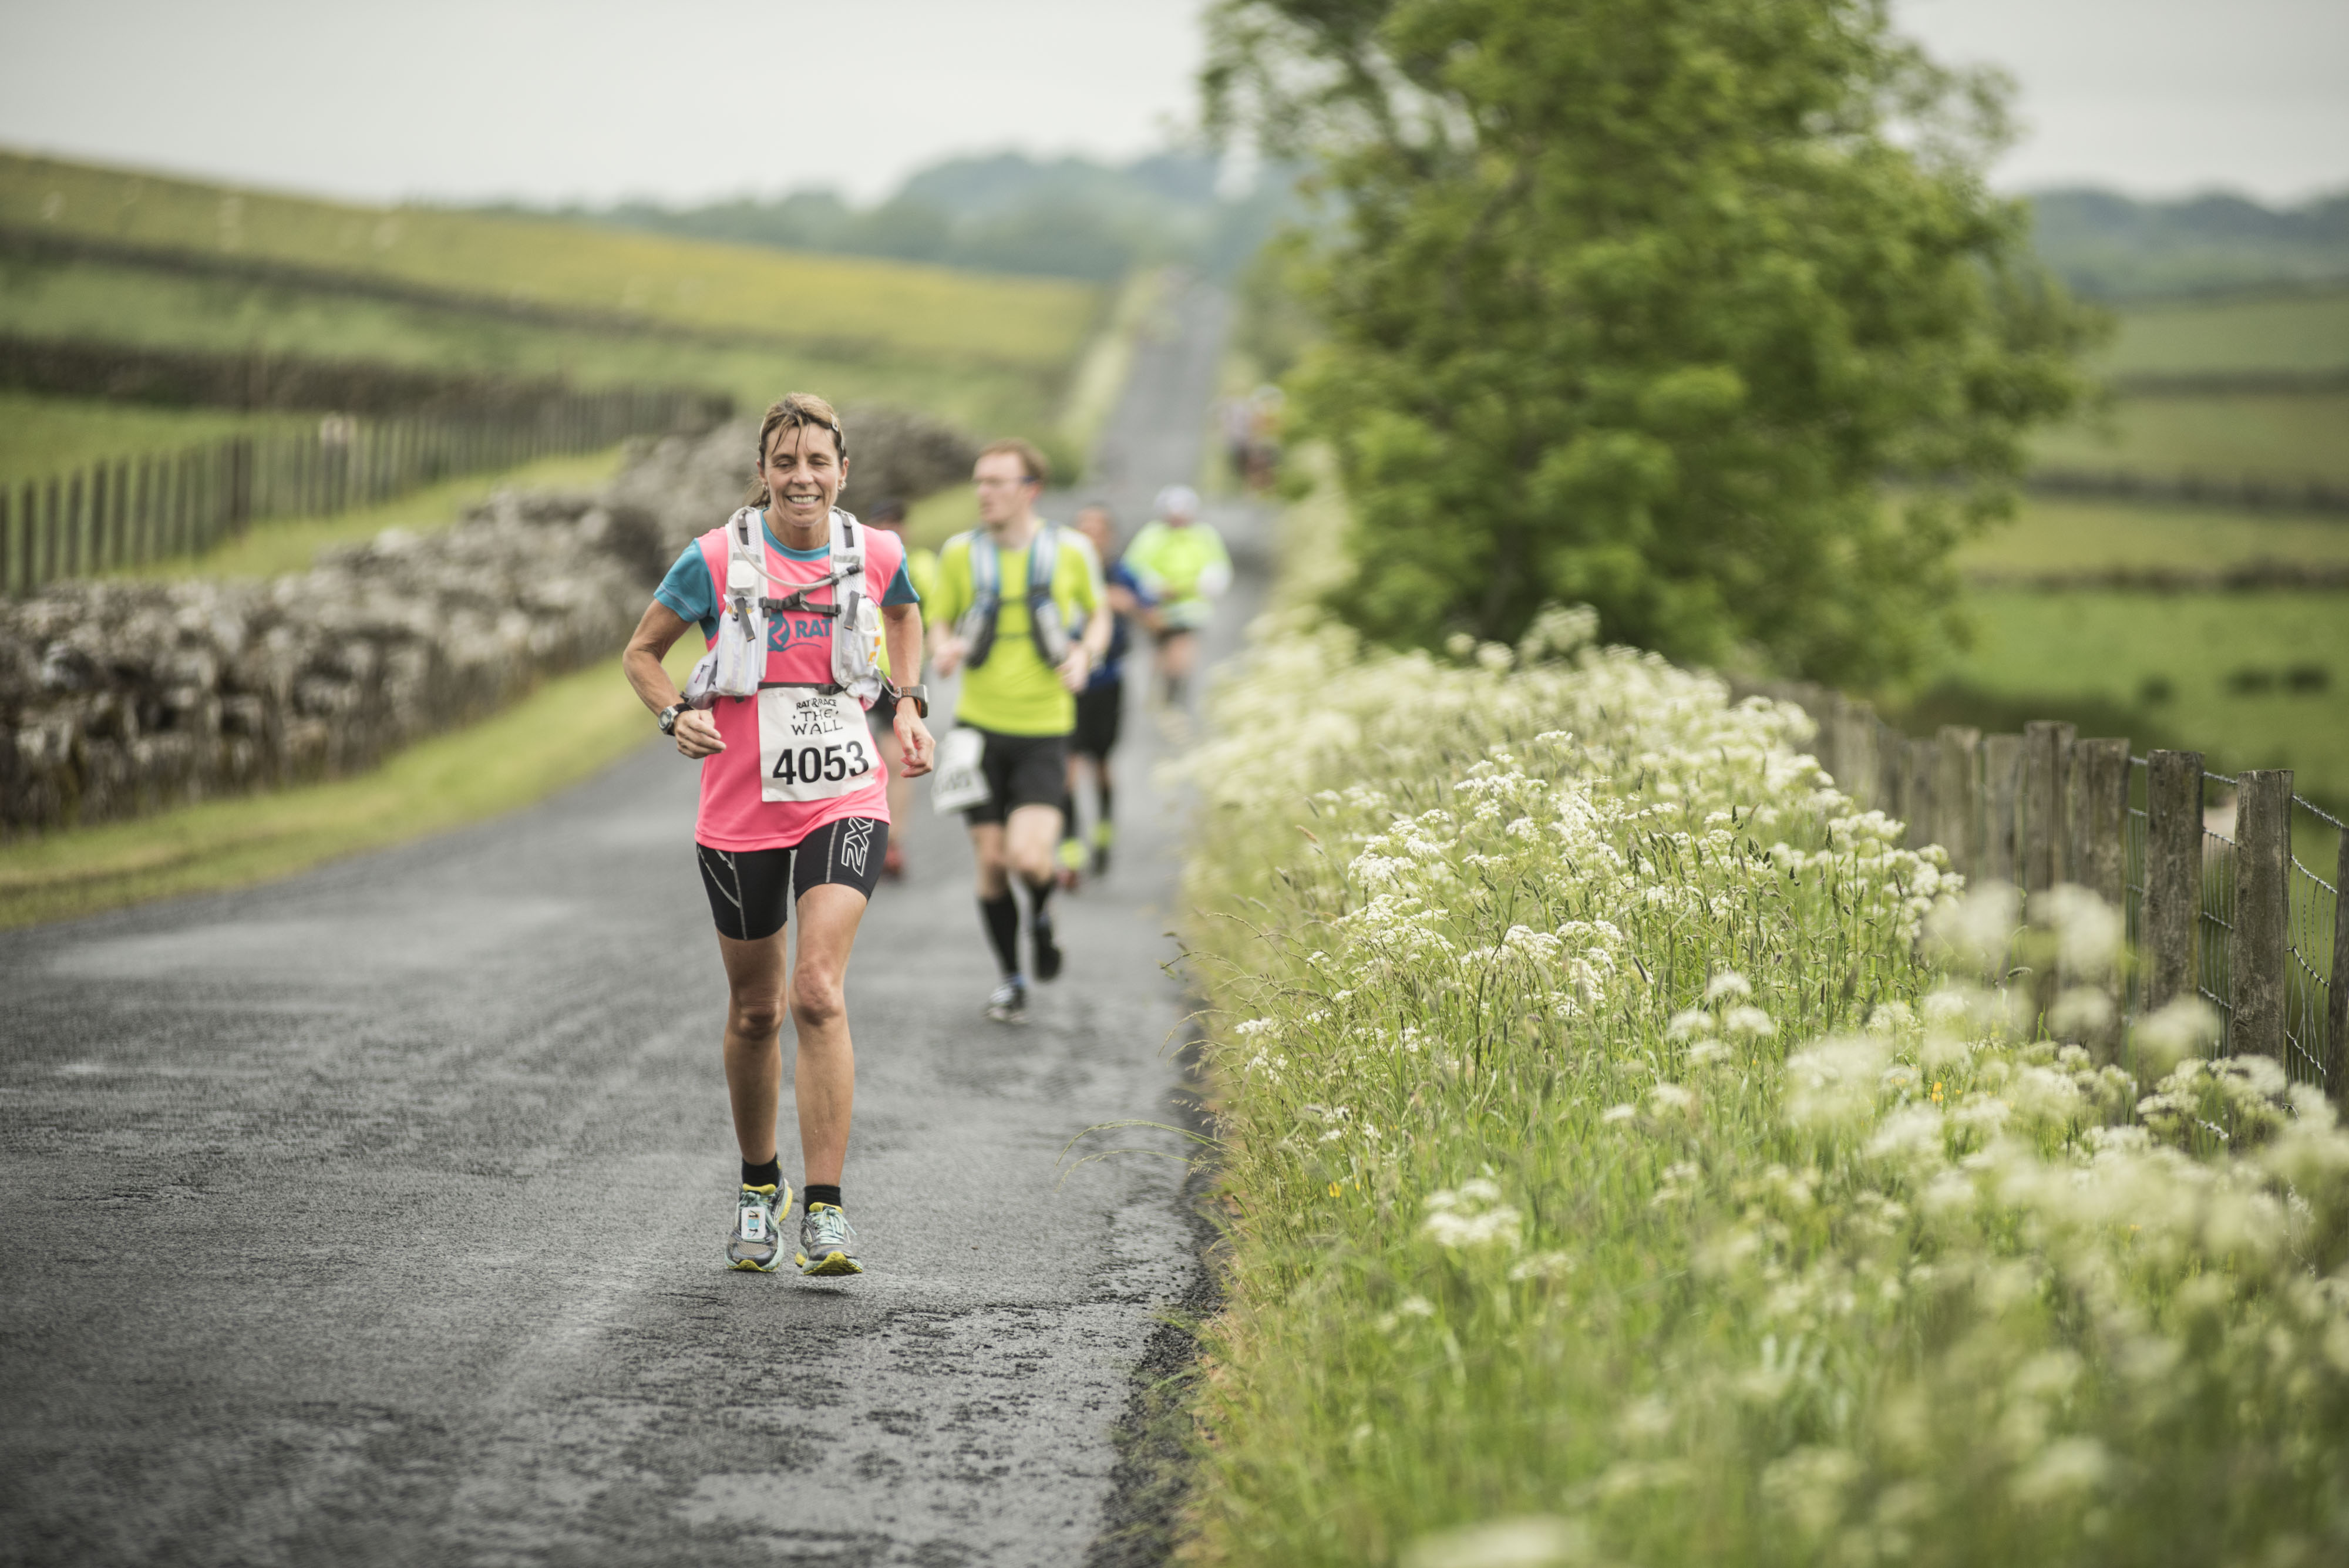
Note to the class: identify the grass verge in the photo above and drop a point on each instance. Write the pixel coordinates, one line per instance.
(1611, 1177)
(567, 730)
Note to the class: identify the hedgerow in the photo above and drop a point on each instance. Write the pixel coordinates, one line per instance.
(1624, 1160)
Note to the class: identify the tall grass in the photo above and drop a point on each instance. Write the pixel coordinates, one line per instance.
(1611, 1178)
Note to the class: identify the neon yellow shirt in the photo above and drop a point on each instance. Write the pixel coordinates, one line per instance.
(1015, 692)
(1182, 567)
(922, 572)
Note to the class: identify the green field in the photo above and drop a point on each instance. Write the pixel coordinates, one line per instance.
(2280, 437)
(2298, 331)
(2051, 534)
(873, 306)
(43, 436)
(214, 315)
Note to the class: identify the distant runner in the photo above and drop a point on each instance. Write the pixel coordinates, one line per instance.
(1101, 706)
(1007, 592)
(1182, 563)
(921, 569)
(794, 806)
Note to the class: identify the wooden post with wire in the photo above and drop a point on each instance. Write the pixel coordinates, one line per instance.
(2173, 874)
(2262, 946)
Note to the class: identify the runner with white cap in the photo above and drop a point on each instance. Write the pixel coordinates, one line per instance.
(1183, 567)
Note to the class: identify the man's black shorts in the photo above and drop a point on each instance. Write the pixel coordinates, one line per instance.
(1021, 770)
(1100, 711)
(751, 891)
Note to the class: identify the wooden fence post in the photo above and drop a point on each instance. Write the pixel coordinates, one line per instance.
(1957, 798)
(1917, 795)
(2041, 816)
(2336, 990)
(2263, 937)
(2001, 787)
(2101, 866)
(2100, 772)
(126, 551)
(2173, 874)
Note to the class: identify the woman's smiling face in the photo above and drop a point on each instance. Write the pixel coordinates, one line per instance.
(803, 471)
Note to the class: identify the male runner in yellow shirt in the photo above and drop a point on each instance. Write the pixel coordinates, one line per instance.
(1005, 594)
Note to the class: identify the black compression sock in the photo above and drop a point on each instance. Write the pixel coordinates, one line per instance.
(1001, 917)
(1102, 816)
(815, 1195)
(1040, 895)
(767, 1175)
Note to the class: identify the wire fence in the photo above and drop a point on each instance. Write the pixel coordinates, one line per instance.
(134, 511)
(2231, 886)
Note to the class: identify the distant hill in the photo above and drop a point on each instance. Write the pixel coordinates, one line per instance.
(1067, 217)
(2113, 247)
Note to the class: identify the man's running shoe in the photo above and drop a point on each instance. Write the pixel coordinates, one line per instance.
(1072, 863)
(893, 862)
(827, 1242)
(1008, 1003)
(756, 1242)
(1102, 835)
(1048, 952)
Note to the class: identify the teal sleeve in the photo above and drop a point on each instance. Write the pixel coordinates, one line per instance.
(901, 589)
(688, 592)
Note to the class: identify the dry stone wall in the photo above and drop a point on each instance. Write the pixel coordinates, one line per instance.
(119, 698)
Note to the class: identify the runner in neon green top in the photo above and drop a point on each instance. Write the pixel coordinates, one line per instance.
(1004, 595)
(1182, 563)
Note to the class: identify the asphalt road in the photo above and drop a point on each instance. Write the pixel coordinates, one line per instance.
(377, 1216)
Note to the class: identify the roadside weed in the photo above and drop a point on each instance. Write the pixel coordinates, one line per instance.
(1621, 1152)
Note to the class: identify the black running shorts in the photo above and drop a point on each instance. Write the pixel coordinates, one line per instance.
(1021, 770)
(751, 890)
(1100, 711)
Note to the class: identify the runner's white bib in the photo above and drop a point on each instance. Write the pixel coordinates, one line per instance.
(812, 745)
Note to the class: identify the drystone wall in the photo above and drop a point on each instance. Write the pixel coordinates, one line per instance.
(117, 698)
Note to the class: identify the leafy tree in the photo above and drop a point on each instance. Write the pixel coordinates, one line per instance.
(1638, 302)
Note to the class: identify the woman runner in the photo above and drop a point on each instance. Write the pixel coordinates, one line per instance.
(795, 810)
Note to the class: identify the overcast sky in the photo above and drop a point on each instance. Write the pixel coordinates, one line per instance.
(550, 99)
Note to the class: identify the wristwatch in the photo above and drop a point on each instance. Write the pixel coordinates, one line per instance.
(669, 716)
(918, 695)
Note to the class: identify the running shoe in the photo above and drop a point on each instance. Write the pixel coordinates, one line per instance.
(893, 862)
(1102, 835)
(1048, 952)
(756, 1242)
(1072, 863)
(827, 1242)
(1008, 1003)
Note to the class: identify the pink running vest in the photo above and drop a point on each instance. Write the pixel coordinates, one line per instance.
(799, 647)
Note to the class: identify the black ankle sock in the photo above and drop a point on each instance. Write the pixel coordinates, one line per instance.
(1001, 917)
(767, 1175)
(816, 1194)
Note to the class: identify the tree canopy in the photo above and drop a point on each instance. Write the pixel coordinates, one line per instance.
(1640, 303)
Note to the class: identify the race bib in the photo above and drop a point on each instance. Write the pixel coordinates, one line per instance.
(957, 782)
(812, 746)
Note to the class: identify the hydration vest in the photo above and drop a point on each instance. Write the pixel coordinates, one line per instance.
(736, 666)
(1045, 628)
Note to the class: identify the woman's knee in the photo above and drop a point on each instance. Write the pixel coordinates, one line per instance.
(817, 998)
(755, 1017)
